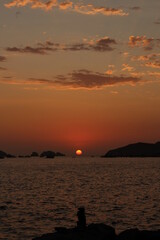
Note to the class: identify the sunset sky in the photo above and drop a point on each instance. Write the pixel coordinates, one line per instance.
(78, 74)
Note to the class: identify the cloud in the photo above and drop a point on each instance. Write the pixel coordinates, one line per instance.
(28, 49)
(81, 79)
(65, 5)
(92, 10)
(144, 42)
(152, 56)
(141, 41)
(92, 80)
(83, 9)
(150, 60)
(128, 68)
(155, 74)
(3, 59)
(100, 45)
(155, 64)
(33, 3)
(136, 8)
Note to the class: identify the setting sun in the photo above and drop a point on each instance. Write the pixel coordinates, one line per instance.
(78, 152)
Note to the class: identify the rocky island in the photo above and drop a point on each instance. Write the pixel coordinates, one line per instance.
(136, 150)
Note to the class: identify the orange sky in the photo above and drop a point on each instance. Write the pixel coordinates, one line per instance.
(78, 75)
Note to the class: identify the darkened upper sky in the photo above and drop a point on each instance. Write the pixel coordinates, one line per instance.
(79, 74)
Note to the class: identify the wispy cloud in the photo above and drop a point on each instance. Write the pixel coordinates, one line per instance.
(101, 45)
(92, 10)
(81, 79)
(28, 49)
(88, 9)
(84, 79)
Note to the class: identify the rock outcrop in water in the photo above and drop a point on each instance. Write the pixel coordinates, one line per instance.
(34, 154)
(136, 150)
(51, 154)
(48, 154)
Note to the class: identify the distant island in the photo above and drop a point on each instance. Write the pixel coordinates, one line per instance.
(135, 150)
(45, 154)
(6, 155)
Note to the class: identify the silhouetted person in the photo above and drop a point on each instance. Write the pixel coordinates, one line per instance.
(81, 218)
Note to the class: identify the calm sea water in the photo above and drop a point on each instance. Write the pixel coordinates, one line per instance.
(37, 194)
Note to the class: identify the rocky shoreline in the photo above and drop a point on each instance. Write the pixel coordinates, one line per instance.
(99, 232)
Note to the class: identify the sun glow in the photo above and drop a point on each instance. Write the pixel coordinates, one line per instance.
(78, 152)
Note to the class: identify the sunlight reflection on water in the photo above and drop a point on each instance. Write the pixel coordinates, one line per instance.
(40, 194)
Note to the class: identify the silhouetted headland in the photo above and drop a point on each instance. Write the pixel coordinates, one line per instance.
(98, 231)
(136, 150)
(5, 155)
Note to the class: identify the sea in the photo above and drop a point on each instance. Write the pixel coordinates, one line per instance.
(37, 195)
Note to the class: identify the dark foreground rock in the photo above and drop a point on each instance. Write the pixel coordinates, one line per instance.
(99, 232)
(92, 231)
(136, 234)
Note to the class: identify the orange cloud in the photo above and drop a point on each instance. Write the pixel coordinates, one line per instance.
(91, 10)
(65, 5)
(152, 56)
(34, 4)
(141, 41)
(83, 9)
(156, 74)
(155, 64)
(128, 68)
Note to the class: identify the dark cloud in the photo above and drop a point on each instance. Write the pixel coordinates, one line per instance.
(81, 79)
(104, 44)
(136, 8)
(28, 49)
(101, 45)
(86, 80)
(3, 59)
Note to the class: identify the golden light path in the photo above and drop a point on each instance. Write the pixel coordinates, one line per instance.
(78, 152)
